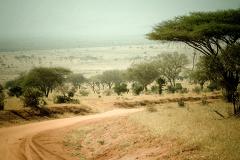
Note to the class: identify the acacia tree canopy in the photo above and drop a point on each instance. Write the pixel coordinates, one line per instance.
(77, 79)
(207, 32)
(144, 73)
(170, 65)
(111, 76)
(45, 79)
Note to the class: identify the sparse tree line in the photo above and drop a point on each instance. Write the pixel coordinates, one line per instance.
(159, 72)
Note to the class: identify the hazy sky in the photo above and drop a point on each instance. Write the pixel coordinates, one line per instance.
(92, 19)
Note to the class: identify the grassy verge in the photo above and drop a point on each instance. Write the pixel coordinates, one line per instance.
(27, 115)
(196, 125)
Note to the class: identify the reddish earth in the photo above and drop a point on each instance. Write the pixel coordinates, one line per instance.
(23, 142)
(105, 136)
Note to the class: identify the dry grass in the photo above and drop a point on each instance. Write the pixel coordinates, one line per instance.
(197, 125)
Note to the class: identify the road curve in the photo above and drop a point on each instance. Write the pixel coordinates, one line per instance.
(18, 143)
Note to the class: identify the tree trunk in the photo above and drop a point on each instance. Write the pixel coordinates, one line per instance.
(193, 63)
(160, 88)
(1, 106)
(201, 85)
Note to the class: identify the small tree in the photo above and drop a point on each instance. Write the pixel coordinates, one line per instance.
(144, 73)
(111, 77)
(199, 74)
(120, 88)
(77, 80)
(170, 65)
(92, 81)
(32, 98)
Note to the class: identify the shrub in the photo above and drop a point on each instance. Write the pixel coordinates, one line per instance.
(204, 100)
(65, 99)
(15, 91)
(171, 89)
(120, 88)
(213, 86)
(178, 87)
(184, 90)
(61, 99)
(181, 102)
(32, 97)
(137, 88)
(196, 89)
(75, 101)
(155, 89)
(71, 92)
(84, 92)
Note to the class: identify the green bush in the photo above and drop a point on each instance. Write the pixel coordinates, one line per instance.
(65, 99)
(32, 97)
(213, 86)
(178, 87)
(71, 92)
(197, 89)
(171, 89)
(155, 89)
(61, 99)
(137, 88)
(15, 91)
(120, 88)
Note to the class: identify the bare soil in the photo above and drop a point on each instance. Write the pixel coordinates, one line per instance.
(22, 142)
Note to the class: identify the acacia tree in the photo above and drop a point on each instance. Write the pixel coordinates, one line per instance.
(144, 73)
(170, 65)
(200, 73)
(45, 79)
(92, 82)
(111, 77)
(77, 79)
(210, 33)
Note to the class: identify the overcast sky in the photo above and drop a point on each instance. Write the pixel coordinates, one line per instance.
(92, 19)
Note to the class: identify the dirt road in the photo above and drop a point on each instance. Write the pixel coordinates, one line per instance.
(18, 143)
